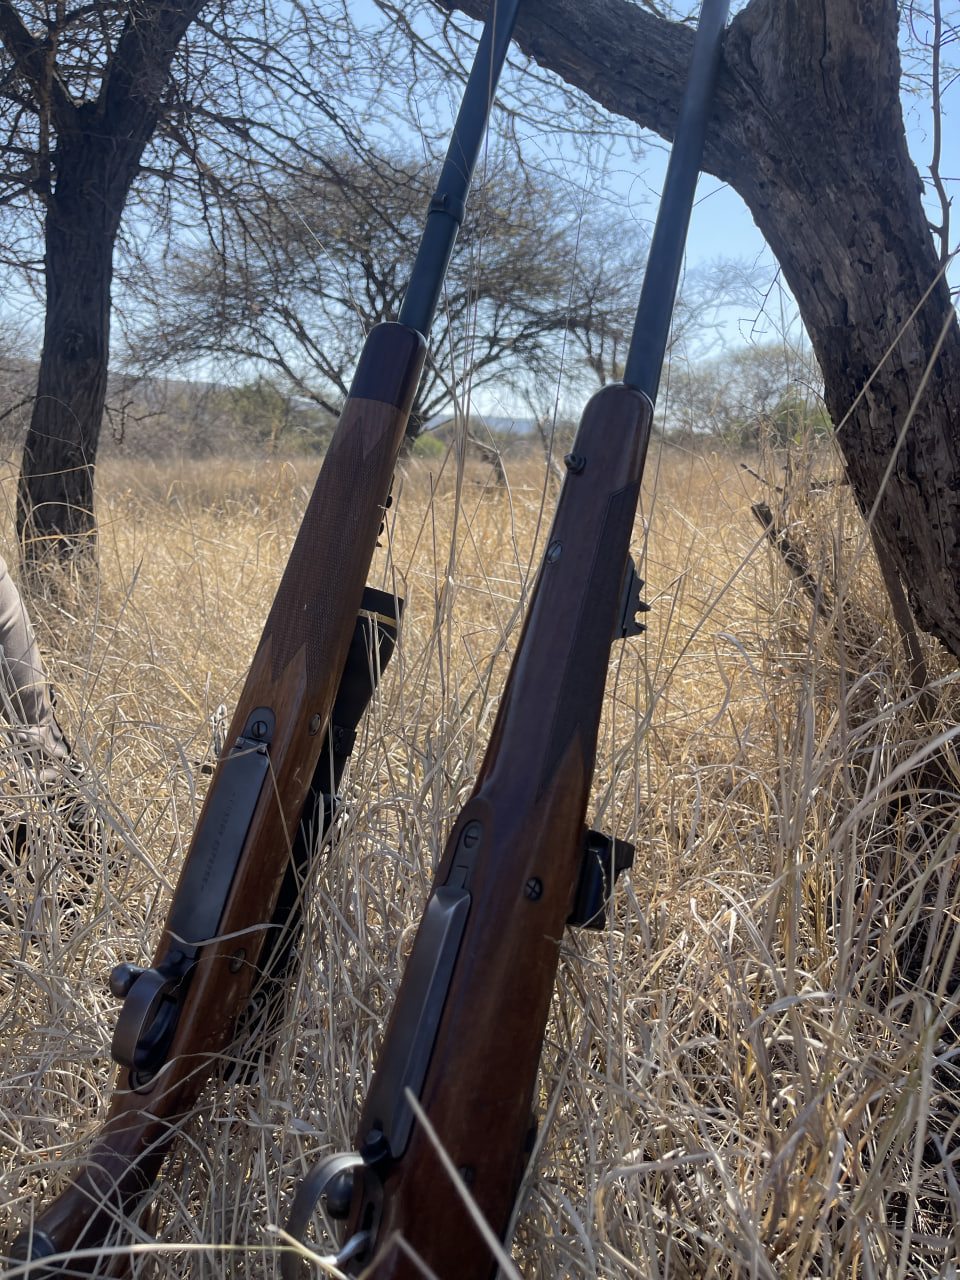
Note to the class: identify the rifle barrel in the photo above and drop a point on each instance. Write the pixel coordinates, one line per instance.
(651, 329)
(447, 206)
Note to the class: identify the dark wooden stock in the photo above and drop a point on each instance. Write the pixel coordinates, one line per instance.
(296, 672)
(531, 799)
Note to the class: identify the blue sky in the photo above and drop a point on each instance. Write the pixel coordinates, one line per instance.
(721, 226)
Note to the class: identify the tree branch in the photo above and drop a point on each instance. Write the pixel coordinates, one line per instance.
(594, 46)
(30, 55)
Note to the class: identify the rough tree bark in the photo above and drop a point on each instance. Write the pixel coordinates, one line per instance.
(808, 129)
(98, 147)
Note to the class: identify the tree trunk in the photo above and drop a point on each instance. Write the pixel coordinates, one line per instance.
(98, 149)
(832, 187)
(55, 512)
(808, 129)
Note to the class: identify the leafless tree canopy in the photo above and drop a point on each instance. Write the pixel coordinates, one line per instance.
(303, 271)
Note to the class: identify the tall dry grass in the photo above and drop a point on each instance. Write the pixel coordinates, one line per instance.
(750, 1073)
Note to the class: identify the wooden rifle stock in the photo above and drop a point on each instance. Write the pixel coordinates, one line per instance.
(485, 958)
(205, 967)
(515, 850)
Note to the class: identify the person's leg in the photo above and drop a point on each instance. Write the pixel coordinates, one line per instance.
(27, 705)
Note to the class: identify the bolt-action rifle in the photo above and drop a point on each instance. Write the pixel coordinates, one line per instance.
(311, 678)
(462, 1048)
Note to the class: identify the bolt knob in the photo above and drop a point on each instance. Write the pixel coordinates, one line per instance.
(122, 979)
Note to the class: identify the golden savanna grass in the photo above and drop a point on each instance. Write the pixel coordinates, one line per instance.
(749, 1073)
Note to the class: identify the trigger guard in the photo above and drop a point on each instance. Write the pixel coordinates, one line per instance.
(307, 1197)
(137, 1015)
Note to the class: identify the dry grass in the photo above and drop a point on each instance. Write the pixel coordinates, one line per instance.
(749, 1074)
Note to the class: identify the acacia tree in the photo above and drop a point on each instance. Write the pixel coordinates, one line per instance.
(301, 273)
(808, 128)
(122, 123)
